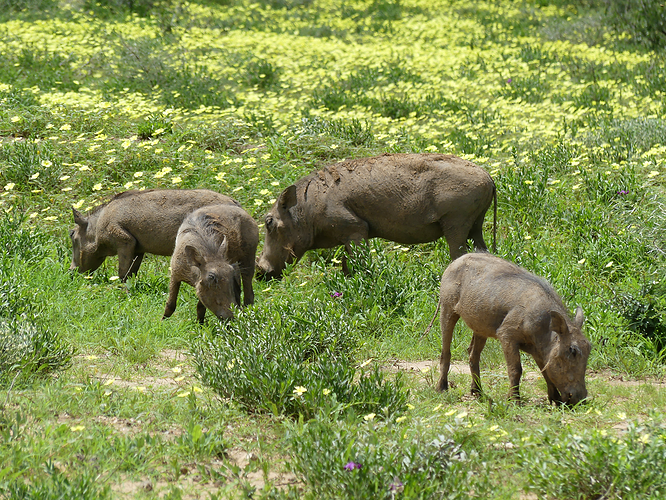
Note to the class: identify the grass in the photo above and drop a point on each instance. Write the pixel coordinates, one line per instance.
(306, 394)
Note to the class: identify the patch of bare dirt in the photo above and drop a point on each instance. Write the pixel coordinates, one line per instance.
(194, 486)
(256, 477)
(461, 368)
(172, 366)
(621, 380)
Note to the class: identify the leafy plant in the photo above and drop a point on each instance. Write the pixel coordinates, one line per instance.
(262, 74)
(57, 485)
(28, 349)
(597, 465)
(643, 19)
(294, 359)
(381, 461)
(198, 442)
(154, 125)
(646, 313)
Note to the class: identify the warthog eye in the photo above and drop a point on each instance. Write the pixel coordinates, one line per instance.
(71, 234)
(212, 278)
(574, 351)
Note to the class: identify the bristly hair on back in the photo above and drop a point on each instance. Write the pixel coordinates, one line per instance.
(124, 194)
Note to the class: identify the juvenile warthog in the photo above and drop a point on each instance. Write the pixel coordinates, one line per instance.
(406, 198)
(133, 223)
(215, 248)
(498, 299)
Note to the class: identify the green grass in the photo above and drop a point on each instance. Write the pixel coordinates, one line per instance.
(560, 103)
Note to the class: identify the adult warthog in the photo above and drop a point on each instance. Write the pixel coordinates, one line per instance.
(406, 198)
(133, 223)
(497, 299)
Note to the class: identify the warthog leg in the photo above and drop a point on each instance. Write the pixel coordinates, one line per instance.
(201, 312)
(174, 287)
(512, 357)
(475, 347)
(448, 322)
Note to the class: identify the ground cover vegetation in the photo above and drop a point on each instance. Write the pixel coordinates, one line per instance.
(306, 393)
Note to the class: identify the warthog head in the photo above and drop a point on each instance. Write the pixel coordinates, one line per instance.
(85, 256)
(219, 283)
(284, 241)
(567, 361)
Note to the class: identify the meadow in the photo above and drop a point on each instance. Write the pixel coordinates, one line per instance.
(324, 388)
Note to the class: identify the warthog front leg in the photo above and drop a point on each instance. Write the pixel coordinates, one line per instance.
(553, 394)
(174, 287)
(126, 245)
(136, 263)
(201, 312)
(448, 322)
(514, 368)
(248, 291)
(475, 347)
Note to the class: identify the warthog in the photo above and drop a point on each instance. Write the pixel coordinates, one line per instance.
(133, 223)
(406, 198)
(215, 248)
(498, 299)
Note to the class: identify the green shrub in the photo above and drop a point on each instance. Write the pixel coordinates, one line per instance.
(529, 89)
(57, 486)
(355, 131)
(30, 165)
(381, 461)
(14, 6)
(262, 74)
(154, 125)
(380, 285)
(20, 243)
(111, 8)
(294, 359)
(28, 349)
(645, 311)
(597, 464)
(644, 20)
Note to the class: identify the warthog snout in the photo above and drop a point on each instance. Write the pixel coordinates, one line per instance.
(265, 272)
(574, 397)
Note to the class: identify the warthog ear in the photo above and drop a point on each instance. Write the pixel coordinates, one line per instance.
(193, 256)
(559, 324)
(580, 318)
(79, 219)
(288, 198)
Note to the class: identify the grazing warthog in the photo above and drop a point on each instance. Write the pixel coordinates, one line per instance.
(498, 299)
(406, 198)
(133, 223)
(215, 248)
